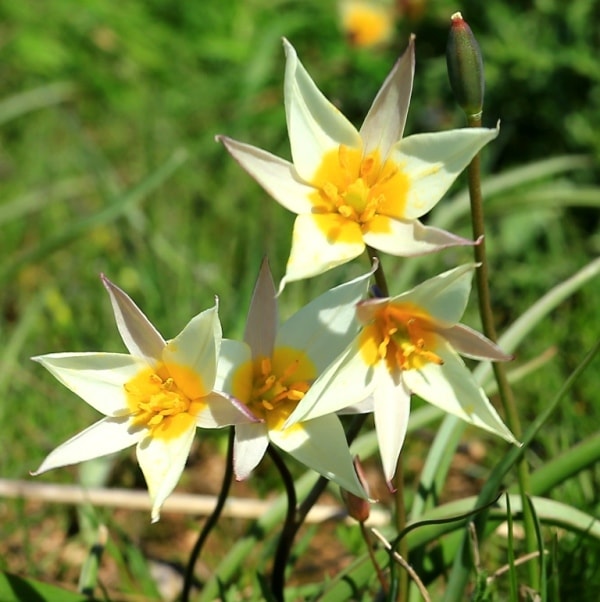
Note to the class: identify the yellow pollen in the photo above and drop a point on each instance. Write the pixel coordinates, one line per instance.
(278, 384)
(358, 187)
(401, 334)
(158, 403)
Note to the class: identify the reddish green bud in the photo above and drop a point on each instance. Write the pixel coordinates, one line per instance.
(465, 67)
(358, 508)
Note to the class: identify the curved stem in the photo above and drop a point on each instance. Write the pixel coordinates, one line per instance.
(211, 521)
(287, 533)
(487, 320)
(380, 576)
(295, 517)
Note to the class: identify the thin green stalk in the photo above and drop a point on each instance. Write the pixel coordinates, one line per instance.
(489, 329)
(211, 521)
(289, 527)
(369, 543)
(295, 517)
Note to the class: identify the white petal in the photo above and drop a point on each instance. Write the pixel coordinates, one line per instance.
(137, 332)
(104, 437)
(347, 381)
(321, 445)
(97, 378)
(433, 161)
(196, 347)
(451, 387)
(233, 354)
(392, 408)
(327, 325)
(313, 252)
(444, 296)
(221, 410)
(362, 407)
(470, 343)
(262, 322)
(162, 461)
(251, 441)
(384, 124)
(315, 126)
(412, 238)
(277, 176)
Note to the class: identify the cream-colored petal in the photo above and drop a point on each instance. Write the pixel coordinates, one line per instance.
(196, 348)
(315, 126)
(319, 243)
(433, 161)
(162, 461)
(321, 445)
(325, 327)
(391, 406)
(138, 333)
(347, 381)
(473, 344)
(409, 238)
(250, 444)
(262, 322)
(277, 176)
(444, 297)
(98, 378)
(222, 410)
(104, 437)
(384, 124)
(451, 388)
(232, 356)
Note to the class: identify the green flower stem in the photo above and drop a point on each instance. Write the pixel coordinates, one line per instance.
(289, 527)
(487, 320)
(369, 543)
(295, 517)
(400, 504)
(211, 521)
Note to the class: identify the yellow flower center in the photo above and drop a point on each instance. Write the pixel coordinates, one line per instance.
(272, 387)
(359, 188)
(366, 24)
(156, 399)
(402, 335)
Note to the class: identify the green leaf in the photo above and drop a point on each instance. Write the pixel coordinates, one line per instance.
(19, 589)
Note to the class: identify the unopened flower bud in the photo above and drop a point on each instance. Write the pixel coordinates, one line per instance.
(465, 67)
(358, 508)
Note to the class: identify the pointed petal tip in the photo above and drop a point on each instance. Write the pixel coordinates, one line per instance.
(105, 281)
(287, 46)
(282, 284)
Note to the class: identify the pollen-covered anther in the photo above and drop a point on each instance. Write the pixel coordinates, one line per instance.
(152, 399)
(271, 391)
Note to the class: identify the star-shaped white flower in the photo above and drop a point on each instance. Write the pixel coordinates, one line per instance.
(409, 344)
(155, 397)
(275, 366)
(354, 188)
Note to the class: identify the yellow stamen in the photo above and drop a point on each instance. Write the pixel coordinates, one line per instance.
(359, 187)
(401, 334)
(157, 402)
(278, 384)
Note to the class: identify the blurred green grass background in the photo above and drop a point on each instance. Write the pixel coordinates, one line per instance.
(108, 163)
